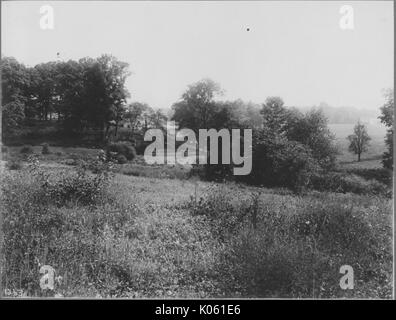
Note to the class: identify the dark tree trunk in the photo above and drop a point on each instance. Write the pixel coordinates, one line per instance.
(358, 157)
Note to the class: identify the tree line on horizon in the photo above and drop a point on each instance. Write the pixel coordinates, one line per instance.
(288, 145)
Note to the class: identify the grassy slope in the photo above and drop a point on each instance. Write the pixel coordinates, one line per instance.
(152, 242)
(171, 253)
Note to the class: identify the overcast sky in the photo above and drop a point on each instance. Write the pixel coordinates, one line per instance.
(296, 50)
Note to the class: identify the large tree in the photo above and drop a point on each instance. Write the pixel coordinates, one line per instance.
(105, 92)
(197, 106)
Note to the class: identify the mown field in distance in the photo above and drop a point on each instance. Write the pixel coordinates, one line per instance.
(370, 159)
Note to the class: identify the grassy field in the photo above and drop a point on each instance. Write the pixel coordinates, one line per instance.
(135, 231)
(142, 234)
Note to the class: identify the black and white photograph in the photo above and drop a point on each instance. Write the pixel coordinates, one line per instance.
(192, 150)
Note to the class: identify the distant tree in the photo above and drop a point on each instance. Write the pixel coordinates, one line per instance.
(142, 117)
(359, 140)
(386, 117)
(158, 119)
(197, 106)
(147, 116)
(245, 115)
(198, 110)
(275, 116)
(134, 114)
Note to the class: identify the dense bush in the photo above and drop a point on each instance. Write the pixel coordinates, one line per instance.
(346, 182)
(279, 162)
(311, 130)
(70, 187)
(124, 148)
(121, 159)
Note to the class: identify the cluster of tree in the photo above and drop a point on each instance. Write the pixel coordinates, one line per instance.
(88, 93)
(287, 144)
(139, 117)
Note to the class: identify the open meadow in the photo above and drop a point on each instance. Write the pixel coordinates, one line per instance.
(155, 231)
(370, 159)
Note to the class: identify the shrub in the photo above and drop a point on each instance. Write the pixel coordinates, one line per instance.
(124, 148)
(45, 149)
(281, 163)
(38, 233)
(344, 182)
(121, 159)
(27, 149)
(275, 246)
(71, 187)
(380, 174)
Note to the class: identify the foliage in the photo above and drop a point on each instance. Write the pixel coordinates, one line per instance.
(279, 162)
(196, 108)
(293, 247)
(124, 148)
(121, 159)
(387, 116)
(64, 188)
(13, 114)
(15, 80)
(311, 130)
(344, 182)
(84, 93)
(275, 115)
